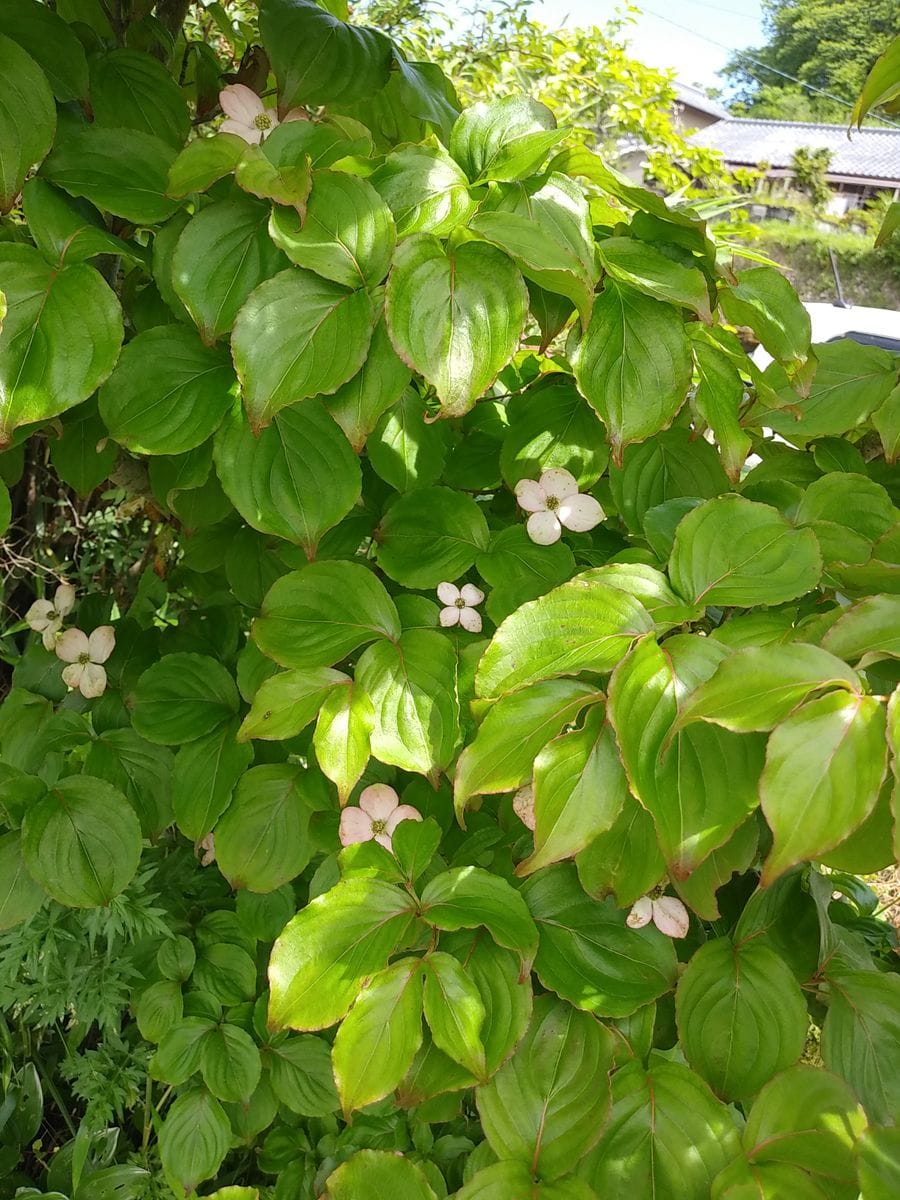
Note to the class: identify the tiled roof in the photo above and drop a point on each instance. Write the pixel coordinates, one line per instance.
(871, 153)
(694, 98)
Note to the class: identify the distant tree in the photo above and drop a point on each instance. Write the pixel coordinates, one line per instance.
(828, 44)
(810, 167)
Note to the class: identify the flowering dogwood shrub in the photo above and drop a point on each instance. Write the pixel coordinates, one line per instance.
(477, 792)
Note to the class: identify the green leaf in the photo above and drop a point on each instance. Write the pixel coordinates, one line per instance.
(504, 1179)
(301, 1077)
(735, 856)
(347, 233)
(27, 119)
(323, 955)
(378, 1039)
(179, 1052)
(181, 698)
(764, 300)
(579, 626)
(642, 266)
(550, 426)
(756, 687)
(425, 190)
(881, 86)
(381, 1172)
(297, 336)
(262, 840)
(734, 552)
(60, 338)
(64, 233)
(168, 392)
(297, 478)
(317, 616)
(413, 688)
(824, 768)
(358, 404)
(666, 1138)
(227, 972)
(454, 1011)
(810, 1119)
(667, 467)
(230, 1063)
(342, 737)
(517, 570)
(504, 139)
(741, 1016)
(288, 702)
(194, 1139)
(495, 762)
(206, 771)
(51, 42)
(318, 59)
(176, 958)
(579, 791)
(588, 955)
(202, 163)
(545, 1107)
(861, 1039)
(636, 393)
(429, 536)
(878, 1158)
(140, 770)
(82, 842)
(83, 457)
(867, 631)
(159, 1007)
(20, 896)
(133, 90)
(886, 419)
(847, 512)
(222, 255)
(124, 173)
(650, 587)
(719, 399)
(468, 897)
(455, 318)
(545, 227)
(625, 861)
(406, 451)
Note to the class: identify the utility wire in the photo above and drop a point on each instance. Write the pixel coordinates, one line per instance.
(763, 65)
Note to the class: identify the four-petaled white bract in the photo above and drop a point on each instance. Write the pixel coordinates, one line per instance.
(667, 913)
(378, 815)
(46, 616)
(248, 117)
(553, 502)
(459, 605)
(85, 655)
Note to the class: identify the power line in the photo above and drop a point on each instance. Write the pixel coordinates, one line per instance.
(763, 65)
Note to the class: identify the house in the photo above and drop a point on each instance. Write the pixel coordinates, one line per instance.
(860, 166)
(694, 109)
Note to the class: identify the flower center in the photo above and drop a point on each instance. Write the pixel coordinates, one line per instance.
(262, 121)
(378, 827)
(552, 503)
(460, 603)
(52, 614)
(84, 658)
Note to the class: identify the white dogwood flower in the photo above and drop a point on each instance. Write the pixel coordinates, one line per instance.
(378, 815)
(248, 117)
(46, 616)
(667, 913)
(459, 605)
(554, 501)
(85, 656)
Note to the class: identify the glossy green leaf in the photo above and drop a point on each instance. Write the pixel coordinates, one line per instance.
(181, 698)
(732, 551)
(412, 685)
(551, 426)
(51, 42)
(881, 84)
(342, 737)
(27, 119)
(20, 896)
(518, 570)
(140, 770)
(429, 536)
(468, 897)
(358, 404)
(158, 1008)
(425, 190)
(545, 1107)
(346, 235)
(230, 1063)
(699, 889)
(379, 1037)
(131, 89)
(625, 861)
(83, 457)
(503, 139)
(504, 1179)
(297, 336)
(288, 702)
(824, 768)
(66, 233)
(867, 631)
(317, 616)
(59, 340)
(878, 1157)
(203, 162)
(667, 467)
(495, 762)
(588, 955)
(301, 1077)
(641, 266)
(286, 182)
(383, 1172)
(764, 300)
(404, 449)
(194, 1139)
(861, 1039)
(579, 626)
(719, 399)
(206, 771)
(455, 318)
(180, 1050)
(323, 955)
(741, 1016)
(82, 842)
(454, 1011)
(636, 393)
(297, 478)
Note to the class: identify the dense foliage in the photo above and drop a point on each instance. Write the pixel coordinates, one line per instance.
(466, 791)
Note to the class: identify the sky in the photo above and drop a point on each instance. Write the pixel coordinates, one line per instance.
(676, 41)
